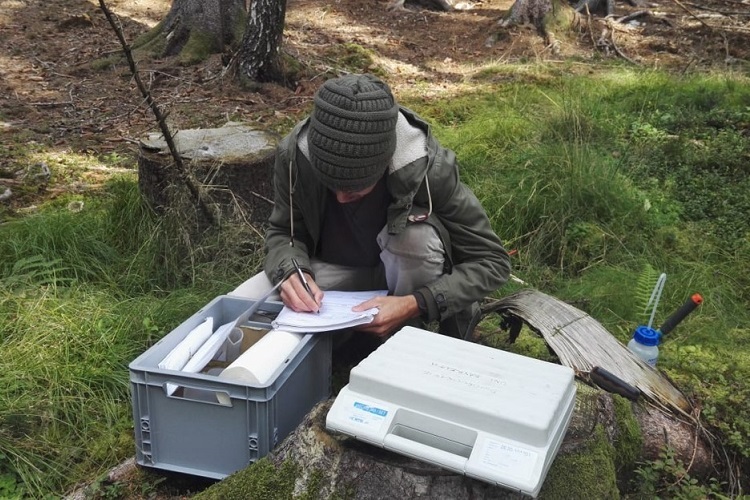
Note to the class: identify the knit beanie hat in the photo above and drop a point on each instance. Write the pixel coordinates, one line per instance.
(352, 133)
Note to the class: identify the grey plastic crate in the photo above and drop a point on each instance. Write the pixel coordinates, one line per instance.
(191, 432)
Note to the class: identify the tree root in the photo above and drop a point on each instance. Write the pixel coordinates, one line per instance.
(440, 5)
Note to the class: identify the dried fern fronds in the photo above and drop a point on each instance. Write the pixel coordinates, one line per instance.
(582, 343)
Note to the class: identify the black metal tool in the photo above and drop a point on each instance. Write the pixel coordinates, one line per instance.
(612, 383)
(689, 306)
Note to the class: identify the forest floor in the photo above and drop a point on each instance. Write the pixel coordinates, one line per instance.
(55, 98)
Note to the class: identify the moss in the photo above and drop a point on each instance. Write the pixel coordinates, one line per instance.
(589, 473)
(151, 43)
(353, 57)
(239, 23)
(106, 63)
(261, 480)
(148, 45)
(291, 67)
(199, 46)
(629, 442)
(560, 19)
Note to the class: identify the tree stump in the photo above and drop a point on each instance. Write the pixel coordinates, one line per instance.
(232, 166)
(596, 459)
(606, 440)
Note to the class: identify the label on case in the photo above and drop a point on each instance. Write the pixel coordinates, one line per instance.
(367, 415)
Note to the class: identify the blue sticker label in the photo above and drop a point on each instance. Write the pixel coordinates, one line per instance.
(370, 409)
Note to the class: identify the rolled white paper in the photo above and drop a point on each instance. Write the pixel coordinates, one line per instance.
(181, 354)
(256, 365)
(210, 347)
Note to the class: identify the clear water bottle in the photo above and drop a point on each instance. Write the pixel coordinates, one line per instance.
(645, 344)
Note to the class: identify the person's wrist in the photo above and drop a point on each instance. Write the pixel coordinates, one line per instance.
(420, 305)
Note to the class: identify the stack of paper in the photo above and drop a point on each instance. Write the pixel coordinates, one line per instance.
(335, 313)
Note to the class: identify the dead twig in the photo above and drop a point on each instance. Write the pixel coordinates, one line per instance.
(693, 14)
(590, 24)
(51, 104)
(261, 197)
(161, 118)
(607, 40)
(619, 52)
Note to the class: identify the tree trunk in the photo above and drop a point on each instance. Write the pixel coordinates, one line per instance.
(536, 11)
(546, 15)
(194, 29)
(605, 7)
(232, 166)
(259, 57)
(528, 12)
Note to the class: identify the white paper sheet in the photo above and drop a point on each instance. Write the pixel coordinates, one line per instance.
(335, 313)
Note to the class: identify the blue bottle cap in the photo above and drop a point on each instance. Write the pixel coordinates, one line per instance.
(646, 336)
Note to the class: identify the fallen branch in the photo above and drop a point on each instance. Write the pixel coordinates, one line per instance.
(614, 44)
(634, 15)
(722, 12)
(693, 14)
(161, 118)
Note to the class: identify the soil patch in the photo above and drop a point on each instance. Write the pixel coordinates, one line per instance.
(52, 98)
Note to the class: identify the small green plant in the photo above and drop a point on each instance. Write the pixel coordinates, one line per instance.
(644, 298)
(104, 489)
(115, 159)
(36, 271)
(667, 477)
(10, 485)
(149, 486)
(151, 329)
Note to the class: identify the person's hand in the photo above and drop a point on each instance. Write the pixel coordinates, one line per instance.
(294, 295)
(393, 313)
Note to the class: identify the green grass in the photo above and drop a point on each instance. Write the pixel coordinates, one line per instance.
(596, 181)
(81, 295)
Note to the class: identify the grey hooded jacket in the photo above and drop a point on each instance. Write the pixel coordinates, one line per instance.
(424, 185)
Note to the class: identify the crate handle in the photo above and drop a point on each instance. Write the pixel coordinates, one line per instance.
(196, 394)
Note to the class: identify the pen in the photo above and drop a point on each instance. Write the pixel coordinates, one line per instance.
(304, 281)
